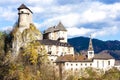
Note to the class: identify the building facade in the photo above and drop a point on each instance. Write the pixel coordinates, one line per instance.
(55, 41)
(103, 60)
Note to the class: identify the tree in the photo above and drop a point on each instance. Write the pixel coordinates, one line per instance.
(34, 53)
(112, 74)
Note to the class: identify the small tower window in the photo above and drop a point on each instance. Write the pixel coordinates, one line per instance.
(22, 12)
(90, 52)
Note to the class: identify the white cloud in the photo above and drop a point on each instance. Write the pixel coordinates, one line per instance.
(48, 13)
(7, 13)
(41, 2)
(37, 9)
(106, 31)
(74, 31)
(93, 16)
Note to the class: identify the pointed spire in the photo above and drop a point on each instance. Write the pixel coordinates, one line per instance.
(61, 27)
(90, 48)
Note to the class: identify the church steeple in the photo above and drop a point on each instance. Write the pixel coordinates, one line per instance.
(90, 49)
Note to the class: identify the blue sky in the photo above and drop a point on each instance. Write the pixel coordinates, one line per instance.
(101, 18)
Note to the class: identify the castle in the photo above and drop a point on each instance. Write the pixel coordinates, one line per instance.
(58, 49)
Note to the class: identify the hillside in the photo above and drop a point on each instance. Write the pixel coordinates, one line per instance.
(81, 43)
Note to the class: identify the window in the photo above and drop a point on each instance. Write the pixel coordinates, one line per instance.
(49, 48)
(103, 63)
(51, 59)
(85, 64)
(108, 62)
(71, 64)
(97, 63)
(67, 64)
(76, 64)
(68, 50)
(90, 64)
(21, 11)
(90, 52)
(81, 64)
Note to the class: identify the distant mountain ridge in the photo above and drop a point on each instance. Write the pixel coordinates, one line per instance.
(81, 43)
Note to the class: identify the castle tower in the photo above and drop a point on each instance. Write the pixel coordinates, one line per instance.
(90, 49)
(56, 33)
(62, 36)
(25, 17)
(25, 31)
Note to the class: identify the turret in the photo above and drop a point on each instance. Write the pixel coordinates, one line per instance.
(56, 33)
(62, 37)
(90, 49)
(25, 17)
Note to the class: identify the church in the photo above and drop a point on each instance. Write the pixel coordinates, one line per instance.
(59, 51)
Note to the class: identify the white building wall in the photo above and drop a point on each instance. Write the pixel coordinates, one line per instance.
(118, 67)
(58, 34)
(103, 64)
(62, 34)
(90, 54)
(76, 66)
(58, 51)
(97, 63)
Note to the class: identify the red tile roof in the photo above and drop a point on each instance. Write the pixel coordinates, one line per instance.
(103, 55)
(73, 58)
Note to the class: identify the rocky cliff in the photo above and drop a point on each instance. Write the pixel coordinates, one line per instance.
(22, 38)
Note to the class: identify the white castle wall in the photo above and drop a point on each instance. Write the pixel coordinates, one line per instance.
(103, 64)
(58, 51)
(97, 64)
(58, 34)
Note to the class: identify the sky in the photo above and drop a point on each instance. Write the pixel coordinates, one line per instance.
(99, 18)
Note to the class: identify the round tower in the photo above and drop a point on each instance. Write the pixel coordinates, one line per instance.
(25, 17)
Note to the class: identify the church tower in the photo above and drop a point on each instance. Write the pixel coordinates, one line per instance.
(90, 49)
(25, 17)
